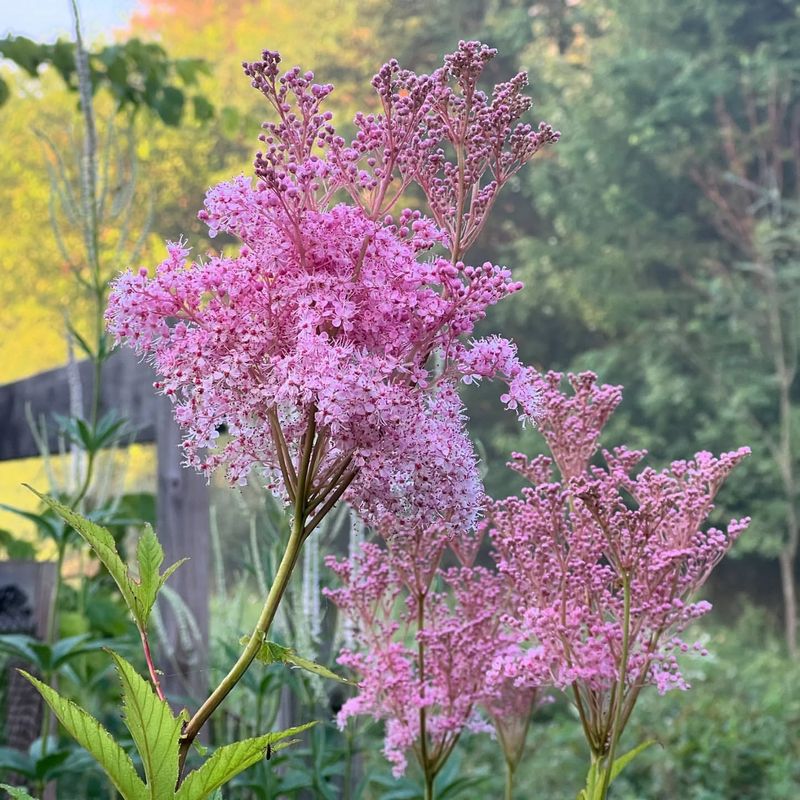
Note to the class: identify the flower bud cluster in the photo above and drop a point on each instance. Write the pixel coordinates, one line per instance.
(596, 569)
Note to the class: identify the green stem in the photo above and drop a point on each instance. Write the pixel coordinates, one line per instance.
(52, 612)
(50, 637)
(347, 790)
(151, 667)
(425, 762)
(268, 612)
(276, 592)
(616, 733)
(590, 791)
(509, 792)
(428, 784)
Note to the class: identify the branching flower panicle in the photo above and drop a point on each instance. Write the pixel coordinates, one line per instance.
(334, 328)
(426, 638)
(605, 562)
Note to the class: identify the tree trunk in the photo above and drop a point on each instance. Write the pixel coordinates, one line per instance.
(787, 561)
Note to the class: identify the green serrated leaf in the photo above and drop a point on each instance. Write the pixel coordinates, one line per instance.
(139, 595)
(154, 728)
(625, 759)
(317, 669)
(150, 556)
(102, 542)
(169, 570)
(269, 652)
(91, 735)
(274, 653)
(16, 792)
(229, 761)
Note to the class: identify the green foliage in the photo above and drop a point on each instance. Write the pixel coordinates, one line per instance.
(454, 782)
(36, 766)
(16, 548)
(139, 594)
(734, 734)
(154, 729)
(47, 524)
(91, 735)
(46, 658)
(139, 74)
(597, 770)
(273, 653)
(92, 438)
(230, 760)
(156, 734)
(16, 793)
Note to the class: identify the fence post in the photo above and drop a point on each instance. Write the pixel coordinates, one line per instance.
(184, 529)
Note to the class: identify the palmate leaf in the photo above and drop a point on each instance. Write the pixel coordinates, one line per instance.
(91, 735)
(154, 728)
(229, 761)
(274, 653)
(139, 595)
(100, 540)
(150, 556)
(156, 733)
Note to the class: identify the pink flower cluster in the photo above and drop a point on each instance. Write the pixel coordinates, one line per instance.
(426, 639)
(329, 325)
(595, 573)
(571, 547)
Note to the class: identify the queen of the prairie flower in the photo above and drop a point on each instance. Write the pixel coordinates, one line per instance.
(604, 561)
(333, 328)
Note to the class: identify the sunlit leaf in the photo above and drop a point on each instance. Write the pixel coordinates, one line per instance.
(16, 792)
(154, 728)
(90, 734)
(229, 761)
(274, 653)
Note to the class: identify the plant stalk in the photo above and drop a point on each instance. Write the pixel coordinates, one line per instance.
(616, 733)
(509, 790)
(276, 592)
(236, 672)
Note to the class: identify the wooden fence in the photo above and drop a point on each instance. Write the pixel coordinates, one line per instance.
(182, 503)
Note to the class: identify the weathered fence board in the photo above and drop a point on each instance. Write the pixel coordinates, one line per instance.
(127, 388)
(25, 588)
(183, 511)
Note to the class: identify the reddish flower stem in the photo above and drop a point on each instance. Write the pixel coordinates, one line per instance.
(150, 665)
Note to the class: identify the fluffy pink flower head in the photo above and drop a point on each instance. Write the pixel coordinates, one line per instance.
(426, 638)
(329, 345)
(604, 550)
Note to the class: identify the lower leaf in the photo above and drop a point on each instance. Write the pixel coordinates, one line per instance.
(229, 761)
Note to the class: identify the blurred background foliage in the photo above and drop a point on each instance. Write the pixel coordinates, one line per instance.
(660, 247)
